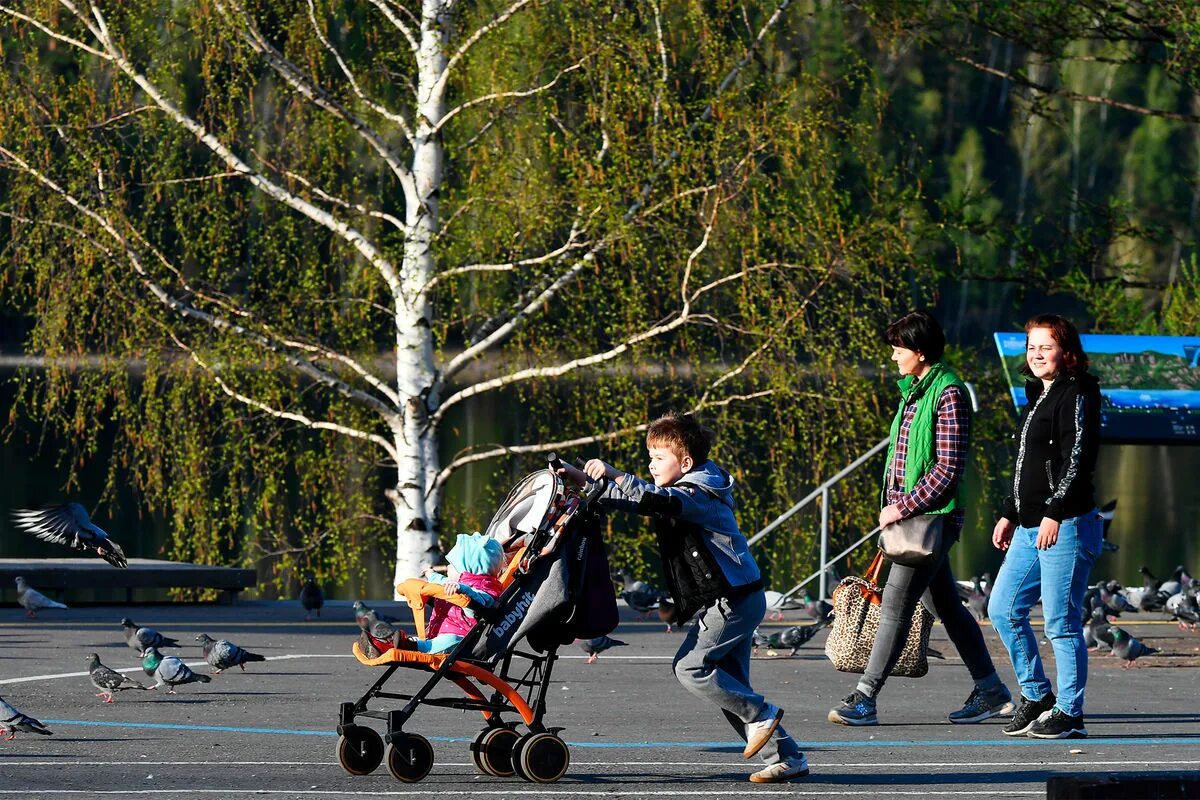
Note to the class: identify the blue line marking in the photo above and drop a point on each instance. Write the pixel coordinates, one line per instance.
(1007, 742)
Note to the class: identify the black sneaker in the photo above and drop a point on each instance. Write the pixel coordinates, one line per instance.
(984, 705)
(857, 709)
(1058, 725)
(1028, 714)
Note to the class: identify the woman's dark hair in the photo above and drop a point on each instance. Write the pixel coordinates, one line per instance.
(1075, 361)
(918, 331)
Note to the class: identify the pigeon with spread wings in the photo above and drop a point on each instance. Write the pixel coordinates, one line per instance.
(69, 524)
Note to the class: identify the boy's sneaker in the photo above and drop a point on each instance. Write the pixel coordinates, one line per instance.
(984, 705)
(857, 709)
(794, 767)
(760, 731)
(1058, 724)
(1028, 714)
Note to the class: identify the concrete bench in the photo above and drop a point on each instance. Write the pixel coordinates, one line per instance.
(67, 574)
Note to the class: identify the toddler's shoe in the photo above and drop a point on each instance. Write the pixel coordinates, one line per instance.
(760, 731)
(857, 709)
(786, 770)
(402, 641)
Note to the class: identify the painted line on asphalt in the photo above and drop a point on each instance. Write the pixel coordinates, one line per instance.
(201, 663)
(853, 765)
(1009, 742)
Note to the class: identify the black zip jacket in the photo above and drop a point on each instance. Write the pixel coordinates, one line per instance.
(1058, 437)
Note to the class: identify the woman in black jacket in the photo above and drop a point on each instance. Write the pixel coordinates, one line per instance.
(1050, 529)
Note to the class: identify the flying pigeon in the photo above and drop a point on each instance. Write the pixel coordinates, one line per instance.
(594, 647)
(792, 638)
(12, 720)
(1129, 649)
(140, 638)
(33, 600)
(107, 680)
(69, 524)
(311, 597)
(224, 654)
(172, 672)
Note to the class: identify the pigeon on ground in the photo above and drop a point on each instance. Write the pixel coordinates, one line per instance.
(594, 647)
(1129, 649)
(172, 672)
(224, 654)
(140, 638)
(1185, 609)
(150, 661)
(1102, 632)
(311, 597)
(107, 680)
(12, 720)
(361, 609)
(757, 640)
(69, 524)
(819, 611)
(639, 595)
(792, 638)
(777, 603)
(977, 599)
(33, 600)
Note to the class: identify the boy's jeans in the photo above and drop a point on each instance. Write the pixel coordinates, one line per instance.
(1059, 575)
(714, 663)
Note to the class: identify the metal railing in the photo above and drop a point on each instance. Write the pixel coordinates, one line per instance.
(822, 492)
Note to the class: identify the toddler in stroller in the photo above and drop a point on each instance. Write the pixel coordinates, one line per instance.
(475, 564)
(554, 589)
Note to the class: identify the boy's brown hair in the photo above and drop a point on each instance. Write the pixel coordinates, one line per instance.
(682, 434)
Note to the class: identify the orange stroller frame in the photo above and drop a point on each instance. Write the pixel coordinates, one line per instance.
(517, 688)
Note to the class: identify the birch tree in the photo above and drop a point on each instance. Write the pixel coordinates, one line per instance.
(322, 228)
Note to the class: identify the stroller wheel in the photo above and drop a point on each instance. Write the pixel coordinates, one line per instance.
(541, 757)
(492, 751)
(409, 757)
(359, 750)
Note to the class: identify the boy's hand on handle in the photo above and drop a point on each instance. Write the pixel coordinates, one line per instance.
(597, 469)
(1047, 533)
(1002, 534)
(576, 476)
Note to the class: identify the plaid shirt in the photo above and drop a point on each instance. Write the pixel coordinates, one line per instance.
(951, 433)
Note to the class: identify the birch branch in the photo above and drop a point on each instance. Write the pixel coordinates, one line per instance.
(398, 23)
(189, 311)
(323, 99)
(290, 416)
(681, 318)
(344, 231)
(374, 106)
(510, 266)
(440, 85)
(346, 204)
(53, 34)
(488, 98)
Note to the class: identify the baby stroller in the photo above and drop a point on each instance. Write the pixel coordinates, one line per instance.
(556, 589)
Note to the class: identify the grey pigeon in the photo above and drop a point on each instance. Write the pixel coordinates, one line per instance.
(140, 637)
(977, 600)
(361, 609)
(819, 611)
(757, 640)
(1101, 630)
(69, 524)
(107, 680)
(32, 600)
(594, 647)
(12, 720)
(172, 672)
(639, 595)
(1185, 609)
(1127, 648)
(793, 638)
(777, 603)
(375, 627)
(224, 654)
(150, 660)
(311, 597)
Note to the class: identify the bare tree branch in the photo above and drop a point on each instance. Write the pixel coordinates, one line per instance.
(488, 98)
(405, 31)
(510, 266)
(470, 41)
(53, 34)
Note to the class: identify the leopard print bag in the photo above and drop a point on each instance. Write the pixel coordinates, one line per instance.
(856, 604)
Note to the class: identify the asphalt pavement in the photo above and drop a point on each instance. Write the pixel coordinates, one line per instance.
(632, 731)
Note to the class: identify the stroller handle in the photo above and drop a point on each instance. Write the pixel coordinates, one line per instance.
(595, 488)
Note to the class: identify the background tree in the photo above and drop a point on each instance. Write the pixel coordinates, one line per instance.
(322, 230)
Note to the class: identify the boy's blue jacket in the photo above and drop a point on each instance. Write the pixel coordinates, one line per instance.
(705, 556)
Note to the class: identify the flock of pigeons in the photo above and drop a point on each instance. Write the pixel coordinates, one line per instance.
(1178, 597)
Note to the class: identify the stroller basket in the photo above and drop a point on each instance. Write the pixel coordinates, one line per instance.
(502, 667)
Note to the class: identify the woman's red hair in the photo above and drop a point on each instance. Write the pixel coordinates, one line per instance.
(1065, 335)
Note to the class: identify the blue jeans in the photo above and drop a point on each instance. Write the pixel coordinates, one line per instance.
(1059, 576)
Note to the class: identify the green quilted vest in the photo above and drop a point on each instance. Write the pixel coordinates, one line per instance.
(922, 455)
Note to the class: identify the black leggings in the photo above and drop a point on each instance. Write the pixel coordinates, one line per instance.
(903, 591)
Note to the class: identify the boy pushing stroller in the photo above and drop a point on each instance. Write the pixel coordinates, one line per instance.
(709, 571)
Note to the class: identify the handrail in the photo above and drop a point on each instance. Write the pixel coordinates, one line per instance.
(822, 491)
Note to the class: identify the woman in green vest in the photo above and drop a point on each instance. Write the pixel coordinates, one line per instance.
(927, 456)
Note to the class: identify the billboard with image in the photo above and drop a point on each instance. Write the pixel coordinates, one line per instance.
(1150, 385)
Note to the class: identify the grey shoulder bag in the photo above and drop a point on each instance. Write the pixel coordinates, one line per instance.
(913, 542)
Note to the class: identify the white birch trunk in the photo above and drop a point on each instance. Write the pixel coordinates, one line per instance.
(416, 518)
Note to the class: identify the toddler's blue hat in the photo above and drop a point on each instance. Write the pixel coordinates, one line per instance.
(476, 553)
